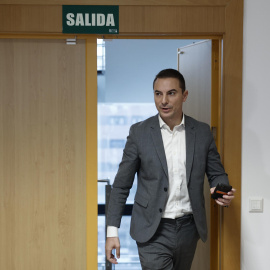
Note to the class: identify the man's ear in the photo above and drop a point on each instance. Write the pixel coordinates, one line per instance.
(185, 95)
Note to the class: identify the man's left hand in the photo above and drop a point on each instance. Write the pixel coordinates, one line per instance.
(226, 199)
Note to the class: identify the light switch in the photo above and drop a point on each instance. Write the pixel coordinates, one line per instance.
(256, 204)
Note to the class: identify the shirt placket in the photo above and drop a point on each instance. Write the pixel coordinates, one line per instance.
(176, 174)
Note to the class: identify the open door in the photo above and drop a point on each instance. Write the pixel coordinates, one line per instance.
(195, 63)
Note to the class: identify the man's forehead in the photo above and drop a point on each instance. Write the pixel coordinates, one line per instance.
(167, 81)
(166, 84)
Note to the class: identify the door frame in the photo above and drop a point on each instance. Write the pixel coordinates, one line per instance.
(218, 216)
(216, 238)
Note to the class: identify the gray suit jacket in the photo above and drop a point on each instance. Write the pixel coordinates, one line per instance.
(144, 154)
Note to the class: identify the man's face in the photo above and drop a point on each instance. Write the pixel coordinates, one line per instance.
(169, 100)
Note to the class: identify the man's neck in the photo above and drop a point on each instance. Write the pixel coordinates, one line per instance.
(173, 122)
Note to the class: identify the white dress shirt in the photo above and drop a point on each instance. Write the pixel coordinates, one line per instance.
(174, 141)
(178, 203)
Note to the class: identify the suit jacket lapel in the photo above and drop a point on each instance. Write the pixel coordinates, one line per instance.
(190, 143)
(158, 143)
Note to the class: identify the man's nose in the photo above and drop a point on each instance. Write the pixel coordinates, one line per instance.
(164, 100)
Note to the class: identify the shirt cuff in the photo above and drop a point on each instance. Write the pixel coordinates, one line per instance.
(112, 231)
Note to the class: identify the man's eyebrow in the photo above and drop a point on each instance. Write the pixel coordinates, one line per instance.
(171, 90)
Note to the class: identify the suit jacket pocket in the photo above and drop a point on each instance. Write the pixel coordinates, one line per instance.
(139, 199)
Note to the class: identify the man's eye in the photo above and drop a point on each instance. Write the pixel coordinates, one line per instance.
(157, 93)
(171, 93)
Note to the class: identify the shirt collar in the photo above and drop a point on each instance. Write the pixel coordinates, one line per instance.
(162, 124)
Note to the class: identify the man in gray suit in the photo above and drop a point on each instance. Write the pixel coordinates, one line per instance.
(170, 152)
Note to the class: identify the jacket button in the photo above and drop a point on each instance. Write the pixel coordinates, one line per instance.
(160, 210)
(165, 189)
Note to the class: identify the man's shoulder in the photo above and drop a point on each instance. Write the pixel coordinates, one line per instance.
(190, 121)
(151, 121)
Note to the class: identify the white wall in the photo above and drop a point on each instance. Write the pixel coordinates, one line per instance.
(255, 238)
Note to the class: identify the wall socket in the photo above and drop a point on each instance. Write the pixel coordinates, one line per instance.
(255, 204)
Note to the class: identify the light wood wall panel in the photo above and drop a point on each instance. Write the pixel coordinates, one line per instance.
(30, 19)
(42, 155)
(132, 19)
(120, 2)
(171, 19)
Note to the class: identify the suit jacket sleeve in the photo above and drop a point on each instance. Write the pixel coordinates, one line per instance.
(123, 180)
(214, 169)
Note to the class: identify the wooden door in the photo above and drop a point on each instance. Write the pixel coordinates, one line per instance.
(194, 62)
(42, 155)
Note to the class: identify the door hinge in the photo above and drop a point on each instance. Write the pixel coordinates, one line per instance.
(71, 41)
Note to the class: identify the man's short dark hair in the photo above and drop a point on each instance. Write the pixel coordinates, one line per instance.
(171, 73)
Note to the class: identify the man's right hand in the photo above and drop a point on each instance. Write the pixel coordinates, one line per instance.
(112, 243)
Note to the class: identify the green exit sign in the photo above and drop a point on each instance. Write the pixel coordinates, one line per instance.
(90, 19)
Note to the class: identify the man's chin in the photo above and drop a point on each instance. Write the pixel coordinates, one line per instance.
(165, 116)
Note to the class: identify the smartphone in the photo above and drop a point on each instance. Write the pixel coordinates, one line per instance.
(221, 189)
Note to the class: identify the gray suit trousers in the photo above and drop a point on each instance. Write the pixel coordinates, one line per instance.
(172, 247)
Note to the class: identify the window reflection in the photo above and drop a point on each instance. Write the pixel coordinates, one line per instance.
(114, 121)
